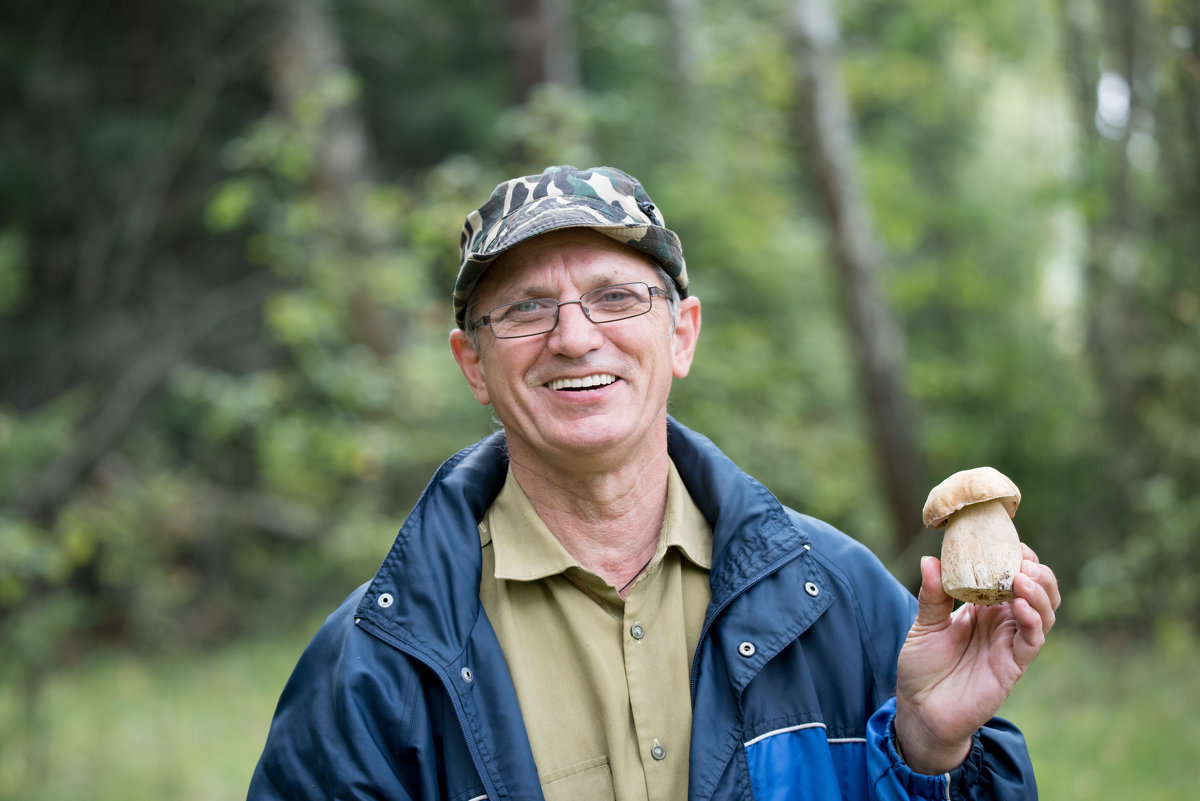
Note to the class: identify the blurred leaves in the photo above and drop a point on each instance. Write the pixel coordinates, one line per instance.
(270, 453)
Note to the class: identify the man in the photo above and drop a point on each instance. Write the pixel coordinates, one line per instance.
(595, 603)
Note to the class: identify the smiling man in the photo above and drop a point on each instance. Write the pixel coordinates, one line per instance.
(579, 387)
(595, 603)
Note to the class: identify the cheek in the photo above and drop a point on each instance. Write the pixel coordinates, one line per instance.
(501, 378)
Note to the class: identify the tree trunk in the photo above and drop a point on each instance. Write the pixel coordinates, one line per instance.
(542, 46)
(681, 96)
(824, 125)
(680, 18)
(1110, 225)
(543, 62)
(306, 65)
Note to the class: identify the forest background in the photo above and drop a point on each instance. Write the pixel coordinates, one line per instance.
(927, 236)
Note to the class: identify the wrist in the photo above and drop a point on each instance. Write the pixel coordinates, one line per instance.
(924, 753)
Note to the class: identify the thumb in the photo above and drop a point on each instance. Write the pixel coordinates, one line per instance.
(933, 604)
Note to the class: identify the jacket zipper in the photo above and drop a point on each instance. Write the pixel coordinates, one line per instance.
(472, 746)
(762, 574)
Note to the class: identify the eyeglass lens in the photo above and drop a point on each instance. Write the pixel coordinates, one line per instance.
(539, 315)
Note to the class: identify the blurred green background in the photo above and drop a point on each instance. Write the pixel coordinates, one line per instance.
(927, 237)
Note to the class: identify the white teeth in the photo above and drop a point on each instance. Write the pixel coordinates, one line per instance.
(598, 380)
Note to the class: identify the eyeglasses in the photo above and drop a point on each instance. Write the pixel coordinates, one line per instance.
(533, 316)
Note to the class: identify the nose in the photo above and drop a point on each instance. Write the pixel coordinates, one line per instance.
(575, 334)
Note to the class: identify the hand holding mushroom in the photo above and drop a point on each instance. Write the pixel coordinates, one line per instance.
(958, 666)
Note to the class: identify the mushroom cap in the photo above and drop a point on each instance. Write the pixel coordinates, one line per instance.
(967, 487)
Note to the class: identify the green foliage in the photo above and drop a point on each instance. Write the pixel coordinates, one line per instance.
(222, 383)
(12, 269)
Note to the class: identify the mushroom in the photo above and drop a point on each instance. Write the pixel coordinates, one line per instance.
(981, 552)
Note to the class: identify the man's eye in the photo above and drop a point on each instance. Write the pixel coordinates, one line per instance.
(524, 308)
(617, 295)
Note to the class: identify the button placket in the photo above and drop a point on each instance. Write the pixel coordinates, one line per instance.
(645, 654)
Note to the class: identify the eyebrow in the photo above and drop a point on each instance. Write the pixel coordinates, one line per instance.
(543, 290)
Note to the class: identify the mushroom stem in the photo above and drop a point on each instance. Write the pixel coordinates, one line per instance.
(981, 554)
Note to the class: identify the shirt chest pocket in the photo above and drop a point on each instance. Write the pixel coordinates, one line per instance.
(591, 780)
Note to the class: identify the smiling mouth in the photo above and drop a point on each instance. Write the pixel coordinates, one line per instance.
(578, 384)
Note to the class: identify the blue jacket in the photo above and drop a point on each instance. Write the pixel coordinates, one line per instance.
(404, 693)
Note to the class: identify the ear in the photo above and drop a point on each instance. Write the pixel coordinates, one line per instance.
(687, 332)
(471, 364)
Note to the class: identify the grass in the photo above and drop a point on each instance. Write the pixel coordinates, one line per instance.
(187, 728)
(1102, 722)
(1113, 721)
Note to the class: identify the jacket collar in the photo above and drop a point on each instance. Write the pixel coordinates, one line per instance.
(426, 593)
(750, 526)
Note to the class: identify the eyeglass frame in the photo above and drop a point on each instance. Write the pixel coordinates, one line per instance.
(652, 290)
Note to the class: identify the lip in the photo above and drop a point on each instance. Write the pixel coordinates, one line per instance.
(582, 383)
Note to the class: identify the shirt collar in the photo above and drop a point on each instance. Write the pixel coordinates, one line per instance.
(526, 550)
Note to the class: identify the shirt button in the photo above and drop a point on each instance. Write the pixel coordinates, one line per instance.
(637, 632)
(658, 752)
(812, 589)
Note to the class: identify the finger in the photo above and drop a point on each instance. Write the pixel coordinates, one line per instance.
(1043, 574)
(933, 604)
(1048, 580)
(1031, 632)
(1029, 587)
(1036, 588)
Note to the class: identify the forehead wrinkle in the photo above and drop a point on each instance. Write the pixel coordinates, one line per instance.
(584, 277)
(536, 268)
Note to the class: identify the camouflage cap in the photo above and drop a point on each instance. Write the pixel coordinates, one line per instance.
(602, 198)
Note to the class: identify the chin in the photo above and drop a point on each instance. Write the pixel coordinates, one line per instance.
(586, 434)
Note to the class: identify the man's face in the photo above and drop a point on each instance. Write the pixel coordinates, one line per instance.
(626, 366)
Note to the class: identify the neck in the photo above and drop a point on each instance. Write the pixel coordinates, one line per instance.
(609, 521)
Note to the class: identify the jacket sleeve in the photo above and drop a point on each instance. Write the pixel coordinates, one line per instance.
(328, 738)
(997, 767)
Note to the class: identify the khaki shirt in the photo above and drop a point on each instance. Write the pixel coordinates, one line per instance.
(603, 683)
